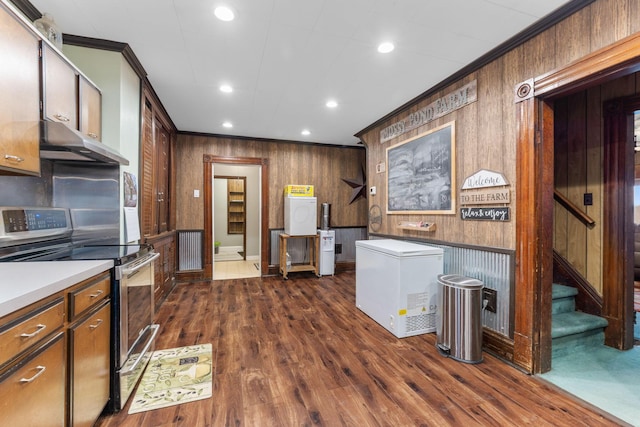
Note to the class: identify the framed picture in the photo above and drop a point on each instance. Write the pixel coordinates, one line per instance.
(421, 173)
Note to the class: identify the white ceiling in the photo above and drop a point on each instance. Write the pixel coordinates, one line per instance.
(286, 58)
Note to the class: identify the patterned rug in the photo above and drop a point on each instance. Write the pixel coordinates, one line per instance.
(174, 376)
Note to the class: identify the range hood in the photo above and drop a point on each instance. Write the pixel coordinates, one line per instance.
(60, 142)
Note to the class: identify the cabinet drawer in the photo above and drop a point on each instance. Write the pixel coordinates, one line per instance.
(29, 329)
(88, 296)
(33, 393)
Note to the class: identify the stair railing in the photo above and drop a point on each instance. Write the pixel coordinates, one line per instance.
(573, 209)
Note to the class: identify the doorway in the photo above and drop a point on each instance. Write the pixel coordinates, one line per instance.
(255, 244)
(236, 221)
(231, 216)
(636, 226)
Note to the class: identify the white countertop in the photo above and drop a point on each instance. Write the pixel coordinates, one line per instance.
(23, 283)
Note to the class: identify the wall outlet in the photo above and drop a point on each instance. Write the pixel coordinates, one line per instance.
(588, 199)
(491, 296)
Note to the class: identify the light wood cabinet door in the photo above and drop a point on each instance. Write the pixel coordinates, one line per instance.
(90, 367)
(60, 90)
(90, 109)
(20, 334)
(33, 392)
(20, 97)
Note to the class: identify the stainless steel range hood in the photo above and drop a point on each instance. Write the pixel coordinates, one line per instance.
(60, 142)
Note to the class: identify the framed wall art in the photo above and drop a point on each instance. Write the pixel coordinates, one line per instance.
(421, 173)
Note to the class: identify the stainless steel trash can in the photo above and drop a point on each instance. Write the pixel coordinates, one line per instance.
(458, 318)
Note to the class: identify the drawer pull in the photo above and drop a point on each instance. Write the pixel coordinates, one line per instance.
(93, 135)
(13, 158)
(40, 369)
(39, 329)
(97, 294)
(61, 117)
(98, 323)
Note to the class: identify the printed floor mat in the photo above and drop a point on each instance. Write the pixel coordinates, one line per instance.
(174, 376)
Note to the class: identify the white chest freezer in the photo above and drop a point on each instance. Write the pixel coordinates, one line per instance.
(397, 284)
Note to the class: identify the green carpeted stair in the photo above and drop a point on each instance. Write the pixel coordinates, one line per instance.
(573, 330)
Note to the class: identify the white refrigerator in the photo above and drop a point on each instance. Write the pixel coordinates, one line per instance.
(300, 216)
(397, 284)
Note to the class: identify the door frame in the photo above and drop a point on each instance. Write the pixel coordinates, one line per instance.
(534, 198)
(208, 161)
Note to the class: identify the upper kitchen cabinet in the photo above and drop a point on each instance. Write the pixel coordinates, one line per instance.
(60, 89)
(20, 94)
(156, 189)
(90, 109)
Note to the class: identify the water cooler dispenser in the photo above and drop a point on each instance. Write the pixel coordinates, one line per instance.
(327, 258)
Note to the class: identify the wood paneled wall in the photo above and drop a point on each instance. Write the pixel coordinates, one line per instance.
(289, 163)
(486, 129)
(578, 170)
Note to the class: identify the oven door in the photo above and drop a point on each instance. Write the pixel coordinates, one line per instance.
(137, 330)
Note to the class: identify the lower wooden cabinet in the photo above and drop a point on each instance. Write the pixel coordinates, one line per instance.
(89, 367)
(32, 393)
(55, 371)
(165, 266)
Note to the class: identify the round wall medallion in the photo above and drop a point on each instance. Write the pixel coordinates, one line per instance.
(375, 217)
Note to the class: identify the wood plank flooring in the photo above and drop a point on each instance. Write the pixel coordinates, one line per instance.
(298, 353)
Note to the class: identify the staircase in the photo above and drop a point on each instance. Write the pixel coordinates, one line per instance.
(572, 330)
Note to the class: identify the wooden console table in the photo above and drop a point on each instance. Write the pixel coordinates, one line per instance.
(313, 255)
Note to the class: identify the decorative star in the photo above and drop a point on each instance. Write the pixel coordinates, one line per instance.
(359, 186)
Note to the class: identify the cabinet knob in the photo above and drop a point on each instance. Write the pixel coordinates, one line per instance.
(13, 158)
(92, 135)
(61, 117)
(40, 369)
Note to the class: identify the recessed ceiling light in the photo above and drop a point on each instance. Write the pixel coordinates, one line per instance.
(224, 13)
(386, 47)
(306, 132)
(331, 103)
(226, 89)
(228, 125)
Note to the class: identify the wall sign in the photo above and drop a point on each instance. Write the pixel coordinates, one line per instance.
(485, 214)
(485, 197)
(485, 188)
(484, 179)
(440, 107)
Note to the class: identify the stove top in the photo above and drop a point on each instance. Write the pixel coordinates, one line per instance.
(47, 234)
(120, 254)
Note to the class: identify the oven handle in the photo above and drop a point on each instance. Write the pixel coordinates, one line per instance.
(144, 351)
(128, 271)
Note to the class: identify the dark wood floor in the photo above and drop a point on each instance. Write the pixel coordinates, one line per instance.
(298, 353)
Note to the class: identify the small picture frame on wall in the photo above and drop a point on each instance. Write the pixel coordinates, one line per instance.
(421, 173)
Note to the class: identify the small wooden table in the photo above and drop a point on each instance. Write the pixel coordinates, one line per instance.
(313, 255)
